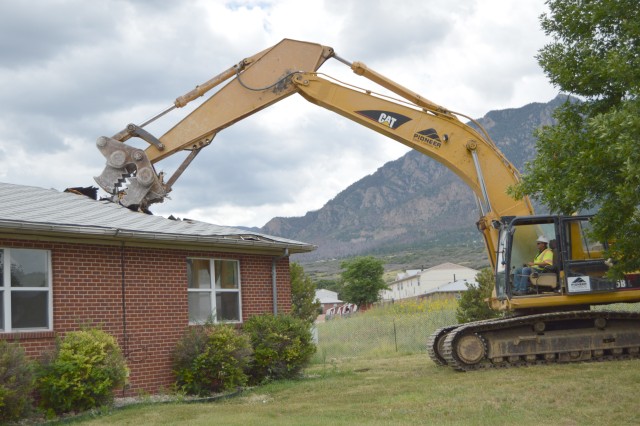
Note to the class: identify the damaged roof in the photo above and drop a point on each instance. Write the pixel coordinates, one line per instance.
(32, 210)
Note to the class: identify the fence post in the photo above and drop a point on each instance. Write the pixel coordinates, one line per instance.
(395, 334)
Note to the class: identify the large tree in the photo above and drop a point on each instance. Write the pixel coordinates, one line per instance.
(362, 280)
(591, 158)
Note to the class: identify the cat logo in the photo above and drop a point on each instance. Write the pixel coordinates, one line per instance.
(389, 119)
(428, 136)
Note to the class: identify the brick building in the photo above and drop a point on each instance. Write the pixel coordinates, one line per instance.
(328, 299)
(67, 261)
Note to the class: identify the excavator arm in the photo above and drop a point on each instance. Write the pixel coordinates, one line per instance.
(287, 68)
(260, 81)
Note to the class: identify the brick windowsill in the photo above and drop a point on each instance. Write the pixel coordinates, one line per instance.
(27, 335)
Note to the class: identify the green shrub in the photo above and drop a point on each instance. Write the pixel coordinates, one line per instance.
(472, 305)
(211, 358)
(82, 373)
(16, 382)
(304, 304)
(282, 346)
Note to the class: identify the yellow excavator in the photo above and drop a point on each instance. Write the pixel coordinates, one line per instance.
(552, 322)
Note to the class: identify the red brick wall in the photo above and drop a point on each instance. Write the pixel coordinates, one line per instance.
(88, 289)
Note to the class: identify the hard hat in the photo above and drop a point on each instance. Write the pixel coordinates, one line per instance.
(542, 239)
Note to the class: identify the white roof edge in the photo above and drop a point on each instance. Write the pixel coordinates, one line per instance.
(34, 210)
(150, 236)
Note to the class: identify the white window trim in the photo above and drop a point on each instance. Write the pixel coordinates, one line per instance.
(213, 291)
(7, 290)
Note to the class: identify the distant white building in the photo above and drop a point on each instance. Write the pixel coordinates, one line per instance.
(419, 283)
(449, 290)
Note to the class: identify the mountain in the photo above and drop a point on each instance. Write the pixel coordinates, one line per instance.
(412, 202)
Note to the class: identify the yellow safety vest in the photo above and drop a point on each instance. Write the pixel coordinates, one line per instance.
(545, 256)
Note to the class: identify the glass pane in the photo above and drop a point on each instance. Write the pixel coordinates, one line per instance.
(1, 309)
(228, 306)
(582, 247)
(199, 306)
(501, 284)
(1, 268)
(226, 274)
(29, 309)
(524, 246)
(198, 273)
(28, 268)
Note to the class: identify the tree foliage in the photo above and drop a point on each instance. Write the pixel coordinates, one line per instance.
(304, 304)
(333, 285)
(362, 280)
(590, 159)
(472, 305)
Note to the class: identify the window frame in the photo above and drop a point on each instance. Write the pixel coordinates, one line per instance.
(7, 290)
(213, 291)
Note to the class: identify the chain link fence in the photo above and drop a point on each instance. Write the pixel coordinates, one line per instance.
(366, 335)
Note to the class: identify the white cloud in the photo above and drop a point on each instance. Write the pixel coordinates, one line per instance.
(72, 71)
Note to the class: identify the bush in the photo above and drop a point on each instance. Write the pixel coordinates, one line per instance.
(211, 358)
(82, 373)
(472, 305)
(16, 382)
(282, 346)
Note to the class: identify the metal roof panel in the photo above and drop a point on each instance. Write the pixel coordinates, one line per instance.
(73, 213)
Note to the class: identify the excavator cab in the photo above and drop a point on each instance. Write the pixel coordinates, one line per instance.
(579, 265)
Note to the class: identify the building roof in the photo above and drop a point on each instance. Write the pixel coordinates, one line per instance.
(327, 296)
(438, 270)
(30, 209)
(455, 287)
(448, 266)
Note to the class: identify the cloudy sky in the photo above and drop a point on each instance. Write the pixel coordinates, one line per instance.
(74, 70)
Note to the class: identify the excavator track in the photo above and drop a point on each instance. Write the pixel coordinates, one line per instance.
(435, 344)
(577, 336)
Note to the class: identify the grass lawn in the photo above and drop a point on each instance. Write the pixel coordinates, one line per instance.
(410, 389)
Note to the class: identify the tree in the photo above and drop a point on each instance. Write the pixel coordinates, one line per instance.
(333, 285)
(362, 278)
(472, 305)
(304, 304)
(590, 159)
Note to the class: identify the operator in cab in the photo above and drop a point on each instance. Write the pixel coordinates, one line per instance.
(543, 259)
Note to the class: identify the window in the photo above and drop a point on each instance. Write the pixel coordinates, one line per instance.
(581, 246)
(214, 290)
(25, 290)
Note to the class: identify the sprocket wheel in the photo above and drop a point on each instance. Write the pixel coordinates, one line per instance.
(471, 349)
